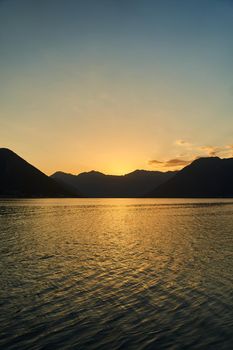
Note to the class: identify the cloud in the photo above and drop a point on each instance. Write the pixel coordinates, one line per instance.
(183, 143)
(191, 153)
(171, 163)
(154, 161)
(176, 162)
(212, 151)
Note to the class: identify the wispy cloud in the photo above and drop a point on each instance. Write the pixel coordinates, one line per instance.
(229, 146)
(171, 163)
(177, 162)
(212, 151)
(183, 143)
(192, 152)
(209, 150)
(154, 161)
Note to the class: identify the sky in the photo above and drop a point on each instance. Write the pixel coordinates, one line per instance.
(116, 85)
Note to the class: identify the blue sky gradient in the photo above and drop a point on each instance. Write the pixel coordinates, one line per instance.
(113, 85)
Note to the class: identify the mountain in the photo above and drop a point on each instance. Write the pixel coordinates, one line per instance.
(20, 179)
(96, 184)
(205, 177)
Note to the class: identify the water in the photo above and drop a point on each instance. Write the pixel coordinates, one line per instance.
(116, 274)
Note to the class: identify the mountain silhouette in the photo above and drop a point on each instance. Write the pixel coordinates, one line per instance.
(204, 177)
(20, 179)
(96, 184)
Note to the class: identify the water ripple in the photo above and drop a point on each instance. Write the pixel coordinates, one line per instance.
(116, 274)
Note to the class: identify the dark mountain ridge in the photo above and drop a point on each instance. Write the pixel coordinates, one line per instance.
(204, 177)
(96, 184)
(18, 178)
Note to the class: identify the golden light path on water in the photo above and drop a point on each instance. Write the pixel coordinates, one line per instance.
(116, 273)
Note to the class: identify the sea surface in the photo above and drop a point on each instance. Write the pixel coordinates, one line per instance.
(116, 274)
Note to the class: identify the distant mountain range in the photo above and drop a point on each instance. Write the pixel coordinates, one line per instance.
(20, 179)
(96, 184)
(205, 177)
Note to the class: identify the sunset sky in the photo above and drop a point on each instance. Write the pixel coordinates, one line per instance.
(116, 85)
